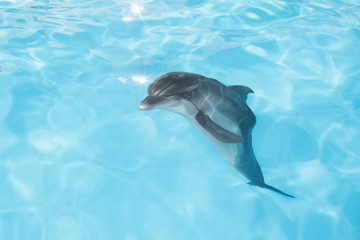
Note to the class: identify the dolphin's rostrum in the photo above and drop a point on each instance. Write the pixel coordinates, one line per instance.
(220, 112)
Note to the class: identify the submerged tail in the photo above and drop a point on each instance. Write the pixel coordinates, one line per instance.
(271, 188)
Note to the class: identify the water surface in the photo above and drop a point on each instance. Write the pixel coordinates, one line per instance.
(78, 160)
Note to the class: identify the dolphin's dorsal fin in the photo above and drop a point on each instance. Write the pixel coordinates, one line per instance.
(243, 91)
(215, 130)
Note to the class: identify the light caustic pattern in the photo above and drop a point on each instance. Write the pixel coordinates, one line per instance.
(79, 161)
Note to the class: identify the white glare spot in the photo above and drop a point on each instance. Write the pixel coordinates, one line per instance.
(137, 9)
(256, 50)
(252, 16)
(47, 141)
(127, 19)
(139, 79)
(121, 79)
(20, 187)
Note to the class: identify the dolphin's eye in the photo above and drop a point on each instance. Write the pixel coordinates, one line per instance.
(189, 95)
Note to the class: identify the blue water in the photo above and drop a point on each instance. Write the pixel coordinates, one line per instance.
(78, 160)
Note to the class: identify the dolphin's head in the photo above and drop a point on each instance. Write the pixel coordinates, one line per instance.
(171, 91)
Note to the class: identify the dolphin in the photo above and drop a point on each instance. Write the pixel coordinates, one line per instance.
(219, 112)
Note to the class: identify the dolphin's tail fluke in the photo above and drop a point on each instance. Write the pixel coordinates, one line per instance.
(264, 185)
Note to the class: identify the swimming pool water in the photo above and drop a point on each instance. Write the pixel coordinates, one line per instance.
(78, 160)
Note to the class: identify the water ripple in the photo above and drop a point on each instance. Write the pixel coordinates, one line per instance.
(79, 161)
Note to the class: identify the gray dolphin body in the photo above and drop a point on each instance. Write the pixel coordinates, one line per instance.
(219, 112)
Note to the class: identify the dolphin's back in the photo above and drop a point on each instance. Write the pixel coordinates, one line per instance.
(225, 106)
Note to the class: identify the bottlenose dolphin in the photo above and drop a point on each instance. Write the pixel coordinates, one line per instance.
(219, 112)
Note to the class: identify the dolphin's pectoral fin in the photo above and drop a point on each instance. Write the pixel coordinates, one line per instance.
(215, 130)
